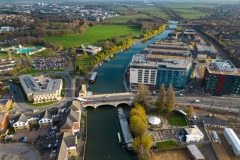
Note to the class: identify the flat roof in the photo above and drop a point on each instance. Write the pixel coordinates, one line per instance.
(171, 62)
(234, 138)
(196, 153)
(168, 51)
(223, 67)
(39, 85)
(124, 126)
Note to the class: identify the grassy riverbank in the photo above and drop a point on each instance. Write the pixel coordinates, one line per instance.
(93, 35)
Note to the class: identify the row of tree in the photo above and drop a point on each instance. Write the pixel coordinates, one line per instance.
(139, 125)
(165, 100)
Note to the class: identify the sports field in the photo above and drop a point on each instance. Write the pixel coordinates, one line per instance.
(93, 35)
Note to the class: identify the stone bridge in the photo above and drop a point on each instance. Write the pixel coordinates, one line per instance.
(108, 103)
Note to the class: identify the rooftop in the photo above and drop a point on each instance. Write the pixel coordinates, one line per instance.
(39, 85)
(196, 153)
(234, 138)
(160, 61)
(223, 67)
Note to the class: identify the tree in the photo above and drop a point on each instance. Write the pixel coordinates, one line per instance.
(138, 127)
(143, 93)
(141, 145)
(189, 111)
(140, 112)
(160, 102)
(170, 102)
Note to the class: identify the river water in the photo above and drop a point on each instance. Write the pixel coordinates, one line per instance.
(102, 141)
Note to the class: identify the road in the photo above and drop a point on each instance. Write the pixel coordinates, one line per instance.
(20, 103)
(214, 102)
(18, 151)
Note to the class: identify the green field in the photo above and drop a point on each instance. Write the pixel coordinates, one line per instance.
(125, 19)
(191, 10)
(153, 11)
(176, 120)
(166, 144)
(84, 63)
(93, 35)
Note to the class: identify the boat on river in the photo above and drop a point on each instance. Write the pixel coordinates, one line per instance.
(93, 77)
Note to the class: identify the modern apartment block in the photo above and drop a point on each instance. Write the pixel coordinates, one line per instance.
(222, 78)
(41, 89)
(154, 70)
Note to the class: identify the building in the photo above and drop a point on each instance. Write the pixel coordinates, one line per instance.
(213, 122)
(46, 120)
(233, 140)
(89, 49)
(72, 123)
(193, 134)
(5, 29)
(222, 78)
(154, 70)
(195, 152)
(41, 89)
(205, 51)
(68, 148)
(21, 122)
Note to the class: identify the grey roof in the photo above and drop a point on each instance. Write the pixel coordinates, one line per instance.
(70, 141)
(233, 140)
(22, 118)
(73, 116)
(68, 124)
(213, 121)
(47, 114)
(196, 153)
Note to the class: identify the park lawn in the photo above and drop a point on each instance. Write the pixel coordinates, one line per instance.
(166, 144)
(176, 120)
(93, 35)
(84, 63)
(30, 70)
(125, 19)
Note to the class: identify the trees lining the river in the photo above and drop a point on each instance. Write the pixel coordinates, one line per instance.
(139, 126)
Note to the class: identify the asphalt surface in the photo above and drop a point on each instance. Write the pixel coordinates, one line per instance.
(19, 151)
(224, 103)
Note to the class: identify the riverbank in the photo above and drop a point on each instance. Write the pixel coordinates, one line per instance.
(87, 64)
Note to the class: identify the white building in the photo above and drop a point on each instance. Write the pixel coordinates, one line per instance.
(5, 29)
(89, 49)
(193, 135)
(233, 140)
(46, 120)
(41, 89)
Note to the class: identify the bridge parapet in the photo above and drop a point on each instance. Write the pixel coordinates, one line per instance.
(115, 103)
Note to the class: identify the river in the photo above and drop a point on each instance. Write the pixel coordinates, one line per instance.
(102, 143)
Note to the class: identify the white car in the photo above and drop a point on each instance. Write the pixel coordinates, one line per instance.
(197, 101)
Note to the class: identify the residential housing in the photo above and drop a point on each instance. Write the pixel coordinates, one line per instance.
(41, 89)
(29, 119)
(70, 129)
(222, 78)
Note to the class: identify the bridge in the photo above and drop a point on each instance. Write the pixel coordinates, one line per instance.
(114, 99)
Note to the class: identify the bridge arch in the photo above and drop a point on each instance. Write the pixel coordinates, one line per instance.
(89, 107)
(123, 104)
(105, 105)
